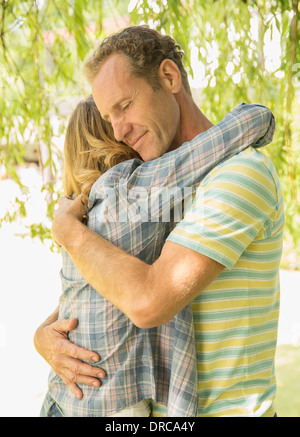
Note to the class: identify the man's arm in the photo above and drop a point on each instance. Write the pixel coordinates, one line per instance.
(149, 295)
(51, 342)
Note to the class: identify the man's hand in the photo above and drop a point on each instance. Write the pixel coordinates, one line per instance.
(52, 343)
(66, 215)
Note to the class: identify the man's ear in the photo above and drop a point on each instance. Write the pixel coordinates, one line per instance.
(170, 76)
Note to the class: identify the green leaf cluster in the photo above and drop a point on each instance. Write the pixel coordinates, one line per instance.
(43, 43)
(230, 42)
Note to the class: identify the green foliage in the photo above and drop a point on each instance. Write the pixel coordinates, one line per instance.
(43, 42)
(230, 42)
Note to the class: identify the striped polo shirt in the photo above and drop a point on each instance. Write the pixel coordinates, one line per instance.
(237, 219)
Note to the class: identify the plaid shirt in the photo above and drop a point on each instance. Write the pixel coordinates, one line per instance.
(130, 206)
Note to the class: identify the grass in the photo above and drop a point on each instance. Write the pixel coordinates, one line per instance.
(288, 381)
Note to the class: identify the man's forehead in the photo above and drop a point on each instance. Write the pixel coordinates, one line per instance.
(113, 82)
(114, 70)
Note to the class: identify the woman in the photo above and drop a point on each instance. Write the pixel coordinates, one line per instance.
(141, 364)
(90, 149)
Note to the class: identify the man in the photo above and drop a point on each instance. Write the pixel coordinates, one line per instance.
(224, 255)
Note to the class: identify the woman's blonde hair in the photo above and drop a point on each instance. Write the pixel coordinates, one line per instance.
(90, 149)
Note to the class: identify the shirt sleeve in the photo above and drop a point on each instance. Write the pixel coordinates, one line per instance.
(244, 126)
(232, 207)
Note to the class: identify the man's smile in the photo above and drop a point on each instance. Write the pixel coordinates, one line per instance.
(137, 142)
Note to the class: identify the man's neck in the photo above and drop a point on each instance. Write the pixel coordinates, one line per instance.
(192, 122)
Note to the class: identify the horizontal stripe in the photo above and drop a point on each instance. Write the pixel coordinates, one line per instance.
(236, 316)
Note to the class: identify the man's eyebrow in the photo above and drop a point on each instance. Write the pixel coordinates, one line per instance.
(115, 107)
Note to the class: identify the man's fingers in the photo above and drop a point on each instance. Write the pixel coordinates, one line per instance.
(78, 378)
(71, 362)
(78, 368)
(77, 372)
(88, 370)
(84, 200)
(62, 199)
(65, 325)
(73, 387)
(73, 372)
(65, 347)
(77, 207)
(71, 382)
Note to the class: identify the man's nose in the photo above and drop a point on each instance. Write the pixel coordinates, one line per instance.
(121, 128)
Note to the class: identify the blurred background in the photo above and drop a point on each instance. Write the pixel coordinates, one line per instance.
(238, 51)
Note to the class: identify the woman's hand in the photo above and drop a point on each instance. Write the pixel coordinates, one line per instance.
(52, 343)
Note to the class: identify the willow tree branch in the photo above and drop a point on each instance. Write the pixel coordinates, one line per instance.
(290, 94)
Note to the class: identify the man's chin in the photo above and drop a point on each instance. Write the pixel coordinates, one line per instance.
(149, 154)
(148, 157)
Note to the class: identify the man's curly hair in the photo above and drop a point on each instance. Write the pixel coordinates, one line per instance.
(145, 48)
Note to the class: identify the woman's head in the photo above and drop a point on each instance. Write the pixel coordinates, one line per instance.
(90, 149)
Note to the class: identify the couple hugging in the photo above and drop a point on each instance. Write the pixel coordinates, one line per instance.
(163, 317)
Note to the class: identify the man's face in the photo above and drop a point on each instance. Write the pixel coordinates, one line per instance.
(144, 119)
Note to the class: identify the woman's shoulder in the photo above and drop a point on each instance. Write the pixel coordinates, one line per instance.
(112, 176)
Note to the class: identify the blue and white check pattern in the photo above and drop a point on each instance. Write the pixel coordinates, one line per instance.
(158, 363)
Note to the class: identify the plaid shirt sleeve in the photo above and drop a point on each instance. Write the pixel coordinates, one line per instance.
(135, 192)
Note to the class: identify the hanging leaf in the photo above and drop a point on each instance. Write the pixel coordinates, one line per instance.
(43, 43)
